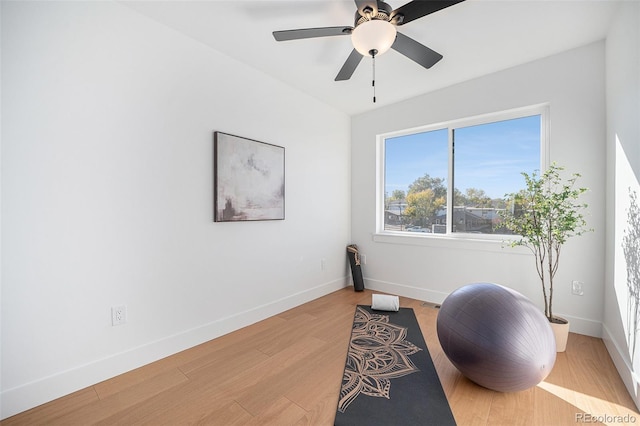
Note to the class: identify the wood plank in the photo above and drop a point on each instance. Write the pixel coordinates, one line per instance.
(53, 410)
(134, 377)
(253, 388)
(96, 411)
(281, 412)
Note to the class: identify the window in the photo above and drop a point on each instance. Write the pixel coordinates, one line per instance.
(452, 178)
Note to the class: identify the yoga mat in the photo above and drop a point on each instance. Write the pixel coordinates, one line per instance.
(389, 377)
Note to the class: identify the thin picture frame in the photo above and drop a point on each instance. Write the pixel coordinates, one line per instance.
(248, 179)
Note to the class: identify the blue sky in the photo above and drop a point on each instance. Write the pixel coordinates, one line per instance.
(487, 156)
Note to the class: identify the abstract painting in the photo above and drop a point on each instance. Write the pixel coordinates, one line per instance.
(248, 179)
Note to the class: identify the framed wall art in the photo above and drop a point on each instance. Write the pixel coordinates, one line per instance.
(248, 179)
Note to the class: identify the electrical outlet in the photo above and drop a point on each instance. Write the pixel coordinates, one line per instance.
(118, 315)
(363, 259)
(577, 288)
(323, 263)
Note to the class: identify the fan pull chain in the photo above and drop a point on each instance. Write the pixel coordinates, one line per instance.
(373, 81)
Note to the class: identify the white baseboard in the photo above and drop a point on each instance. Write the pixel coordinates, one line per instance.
(583, 326)
(24, 397)
(406, 291)
(578, 325)
(621, 361)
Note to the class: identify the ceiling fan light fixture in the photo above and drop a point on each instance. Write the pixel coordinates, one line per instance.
(376, 35)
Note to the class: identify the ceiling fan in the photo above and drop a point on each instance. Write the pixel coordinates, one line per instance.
(374, 32)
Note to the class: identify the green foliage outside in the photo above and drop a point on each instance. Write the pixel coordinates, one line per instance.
(427, 196)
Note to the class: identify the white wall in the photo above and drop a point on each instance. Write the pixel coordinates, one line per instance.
(573, 85)
(108, 120)
(620, 331)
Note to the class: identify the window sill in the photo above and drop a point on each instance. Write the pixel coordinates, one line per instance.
(450, 242)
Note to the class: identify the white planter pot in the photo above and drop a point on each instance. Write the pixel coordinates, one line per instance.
(560, 329)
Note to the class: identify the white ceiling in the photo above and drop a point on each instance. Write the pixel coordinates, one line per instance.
(476, 37)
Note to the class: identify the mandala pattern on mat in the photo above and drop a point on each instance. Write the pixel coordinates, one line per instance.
(378, 352)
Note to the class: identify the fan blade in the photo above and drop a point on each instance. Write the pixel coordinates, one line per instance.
(311, 33)
(367, 4)
(415, 51)
(419, 8)
(349, 66)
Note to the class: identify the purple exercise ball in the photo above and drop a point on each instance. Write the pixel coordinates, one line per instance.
(496, 337)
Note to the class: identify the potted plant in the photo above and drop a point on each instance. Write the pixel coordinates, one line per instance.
(545, 214)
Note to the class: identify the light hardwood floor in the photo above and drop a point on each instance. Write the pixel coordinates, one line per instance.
(287, 370)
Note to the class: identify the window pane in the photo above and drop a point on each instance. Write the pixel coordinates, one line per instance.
(416, 170)
(488, 162)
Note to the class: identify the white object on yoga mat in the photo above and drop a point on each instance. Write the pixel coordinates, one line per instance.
(383, 302)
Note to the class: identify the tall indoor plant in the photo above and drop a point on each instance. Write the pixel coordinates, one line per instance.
(545, 214)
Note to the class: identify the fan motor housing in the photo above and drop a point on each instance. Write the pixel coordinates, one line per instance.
(384, 14)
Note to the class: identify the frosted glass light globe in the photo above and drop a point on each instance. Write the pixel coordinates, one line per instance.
(376, 34)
